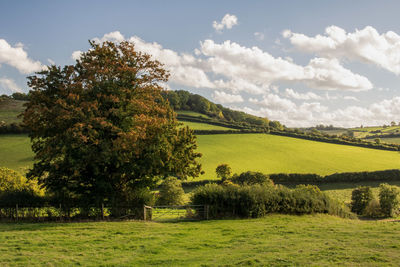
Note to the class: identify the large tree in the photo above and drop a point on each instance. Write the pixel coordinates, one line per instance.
(101, 128)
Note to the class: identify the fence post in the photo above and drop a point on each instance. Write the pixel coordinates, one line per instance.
(206, 208)
(144, 213)
(16, 212)
(60, 213)
(102, 211)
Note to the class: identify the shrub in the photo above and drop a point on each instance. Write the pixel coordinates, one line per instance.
(251, 178)
(258, 200)
(16, 189)
(389, 200)
(171, 192)
(360, 198)
(373, 209)
(223, 171)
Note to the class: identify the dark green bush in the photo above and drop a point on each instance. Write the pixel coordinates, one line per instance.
(360, 198)
(171, 192)
(251, 178)
(259, 200)
(389, 200)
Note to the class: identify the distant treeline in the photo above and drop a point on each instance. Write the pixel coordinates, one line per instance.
(344, 177)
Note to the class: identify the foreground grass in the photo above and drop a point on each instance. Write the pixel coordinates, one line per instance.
(274, 240)
(275, 154)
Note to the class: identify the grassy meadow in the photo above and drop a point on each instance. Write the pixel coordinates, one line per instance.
(275, 154)
(10, 109)
(283, 240)
(204, 126)
(243, 152)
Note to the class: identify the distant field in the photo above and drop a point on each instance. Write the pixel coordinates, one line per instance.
(243, 152)
(15, 152)
(203, 126)
(391, 140)
(10, 109)
(274, 154)
(276, 240)
(192, 113)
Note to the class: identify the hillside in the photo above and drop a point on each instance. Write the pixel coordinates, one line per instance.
(243, 152)
(10, 109)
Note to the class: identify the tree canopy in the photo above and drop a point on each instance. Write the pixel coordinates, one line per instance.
(100, 128)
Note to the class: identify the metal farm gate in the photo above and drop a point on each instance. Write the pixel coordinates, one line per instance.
(175, 213)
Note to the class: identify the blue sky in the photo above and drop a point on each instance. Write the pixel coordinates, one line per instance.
(262, 57)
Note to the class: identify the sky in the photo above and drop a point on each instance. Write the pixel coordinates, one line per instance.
(302, 63)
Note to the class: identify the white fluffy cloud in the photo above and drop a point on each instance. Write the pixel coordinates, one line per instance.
(222, 98)
(8, 86)
(18, 58)
(260, 68)
(306, 96)
(365, 45)
(228, 21)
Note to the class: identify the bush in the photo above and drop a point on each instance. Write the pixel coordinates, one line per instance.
(360, 198)
(389, 200)
(16, 189)
(251, 178)
(373, 209)
(258, 200)
(171, 192)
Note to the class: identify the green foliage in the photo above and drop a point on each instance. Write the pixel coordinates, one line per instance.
(223, 171)
(16, 189)
(171, 192)
(100, 129)
(260, 200)
(373, 209)
(360, 198)
(252, 178)
(389, 199)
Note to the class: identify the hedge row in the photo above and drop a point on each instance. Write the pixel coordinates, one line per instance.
(346, 177)
(260, 200)
(13, 128)
(391, 147)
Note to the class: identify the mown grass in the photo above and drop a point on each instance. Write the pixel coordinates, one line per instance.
(10, 109)
(276, 154)
(285, 240)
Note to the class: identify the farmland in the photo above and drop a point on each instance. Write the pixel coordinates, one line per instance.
(243, 152)
(274, 240)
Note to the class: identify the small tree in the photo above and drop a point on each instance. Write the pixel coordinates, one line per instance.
(171, 192)
(360, 198)
(223, 171)
(389, 200)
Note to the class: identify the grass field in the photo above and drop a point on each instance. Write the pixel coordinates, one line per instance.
(15, 152)
(274, 154)
(391, 140)
(192, 113)
(204, 126)
(283, 240)
(10, 109)
(243, 152)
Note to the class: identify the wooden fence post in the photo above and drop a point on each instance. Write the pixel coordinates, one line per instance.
(102, 211)
(144, 212)
(60, 213)
(16, 212)
(206, 209)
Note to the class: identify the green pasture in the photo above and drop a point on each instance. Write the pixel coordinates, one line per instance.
(243, 152)
(276, 154)
(191, 113)
(203, 126)
(278, 240)
(10, 109)
(391, 140)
